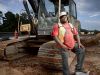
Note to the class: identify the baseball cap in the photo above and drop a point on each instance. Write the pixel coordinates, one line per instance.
(63, 13)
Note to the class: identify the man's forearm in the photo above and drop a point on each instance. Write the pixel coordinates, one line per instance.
(78, 39)
(59, 42)
(79, 42)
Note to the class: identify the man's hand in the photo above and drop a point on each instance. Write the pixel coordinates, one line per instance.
(81, 46)
(64, 47)
(60, 43)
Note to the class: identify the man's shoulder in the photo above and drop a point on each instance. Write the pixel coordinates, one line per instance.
(55, 25)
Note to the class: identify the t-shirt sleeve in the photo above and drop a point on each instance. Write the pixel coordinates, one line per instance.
(75, 32)
(54, 30)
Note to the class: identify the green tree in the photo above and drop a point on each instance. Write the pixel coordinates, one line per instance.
(1, 15)
(10, 22)
(96, 31)
(24, 18)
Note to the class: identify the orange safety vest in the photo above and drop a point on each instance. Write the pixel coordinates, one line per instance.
(62, 31)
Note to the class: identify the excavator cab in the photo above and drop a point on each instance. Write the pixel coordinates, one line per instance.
(47, 13)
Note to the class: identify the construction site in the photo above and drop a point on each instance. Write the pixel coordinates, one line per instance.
(37, 53)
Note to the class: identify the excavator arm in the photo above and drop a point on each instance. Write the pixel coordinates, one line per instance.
(31, 18)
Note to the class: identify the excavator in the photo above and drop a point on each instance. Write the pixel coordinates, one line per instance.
(46, 13)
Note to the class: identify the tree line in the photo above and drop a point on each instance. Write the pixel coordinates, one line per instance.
(11, 21)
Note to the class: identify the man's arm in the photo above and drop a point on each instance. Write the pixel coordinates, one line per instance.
(77, 37)
(60, 43)
(79, 42)
(55, 36)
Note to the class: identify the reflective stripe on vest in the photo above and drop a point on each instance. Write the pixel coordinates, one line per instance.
(62, 31)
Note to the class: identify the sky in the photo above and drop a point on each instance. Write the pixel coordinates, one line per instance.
(88, 11)
(11, 5)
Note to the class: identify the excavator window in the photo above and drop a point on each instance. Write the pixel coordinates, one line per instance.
(73, 9)
(50, 7)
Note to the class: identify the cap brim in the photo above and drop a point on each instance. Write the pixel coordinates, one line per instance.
(62, 15)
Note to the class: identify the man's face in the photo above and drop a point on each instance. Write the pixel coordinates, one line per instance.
(63, 19)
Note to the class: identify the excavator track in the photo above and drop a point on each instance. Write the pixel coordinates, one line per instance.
(11, 49)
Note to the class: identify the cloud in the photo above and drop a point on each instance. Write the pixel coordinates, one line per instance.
(88, 5)
(94, 15)
(3, 8)
(95, 22)
(20, 0)
(11, 5)
(88, 12)
(14, 2)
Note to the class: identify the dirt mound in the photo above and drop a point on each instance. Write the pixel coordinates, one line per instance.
(90, 40)
(98, 36)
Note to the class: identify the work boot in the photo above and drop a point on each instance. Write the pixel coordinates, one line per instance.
(81, 72)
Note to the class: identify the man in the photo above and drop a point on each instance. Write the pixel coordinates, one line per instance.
(63, 34)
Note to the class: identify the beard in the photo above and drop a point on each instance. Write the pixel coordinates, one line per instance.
(64, 20)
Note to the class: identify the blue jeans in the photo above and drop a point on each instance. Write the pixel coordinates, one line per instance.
(80, 53)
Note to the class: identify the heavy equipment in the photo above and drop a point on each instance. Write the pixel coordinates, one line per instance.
(46, 13)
